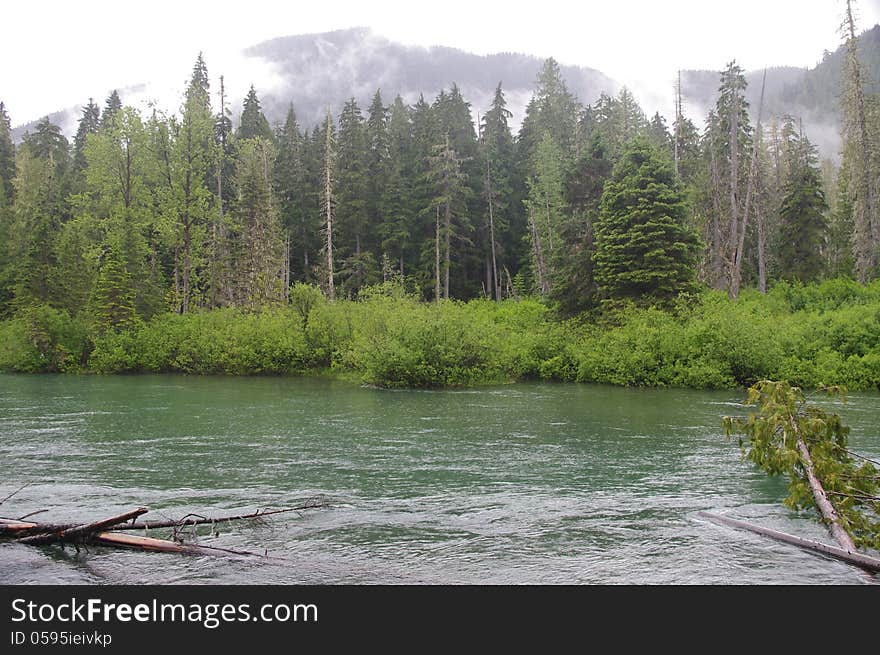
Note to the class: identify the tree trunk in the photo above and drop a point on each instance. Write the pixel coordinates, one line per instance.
(717, 261)
(540, 268)
(328, 201)
(736, 276)
(733, 188)
(187, 244)
(437, 257)
(864, 561)
(762, 242)
(447, 226)
(496, 285)
(867, 226)
(825, 507)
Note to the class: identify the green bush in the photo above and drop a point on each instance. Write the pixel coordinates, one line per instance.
(827, 333)
(42, 339)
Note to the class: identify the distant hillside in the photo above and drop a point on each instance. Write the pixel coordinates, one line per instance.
(811, 94)
(315, 71)
(327, 69)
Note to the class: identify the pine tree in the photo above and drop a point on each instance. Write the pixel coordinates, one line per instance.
(189, 201)
(112, 303)
(89, 123)
(644, 250)
(803, 226)
(291, 179)
(253, 122)
(260, 265)
(449, 201)
(7, 155)
(498, 152)
(351, 188)
(396, 203)
(111, 106)
(575, 287)
(378, 162)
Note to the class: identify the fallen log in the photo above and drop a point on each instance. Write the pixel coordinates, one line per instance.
(17, 527)
(83, 531)
(852, 557)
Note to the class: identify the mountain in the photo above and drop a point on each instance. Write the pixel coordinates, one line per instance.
(318, 70)
(811, 94)
(315, 71)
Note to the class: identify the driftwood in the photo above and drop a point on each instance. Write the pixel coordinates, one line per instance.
(853, 557)
(81, 532)
(106, 532)
(17, 527)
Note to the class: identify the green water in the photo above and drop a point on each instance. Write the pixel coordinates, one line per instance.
(524, 483)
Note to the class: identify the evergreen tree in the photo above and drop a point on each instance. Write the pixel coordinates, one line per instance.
(803, 226)
(396, 203)
(89, 123)
(291, 188)
(188, 202)
(199, 88)
(575, 287)
(7, 156)
(498, 152)
(111, 106)
(253, 122)
(260, 265)
(553, 109)
(112, 303)
(644, 250)
(378, 158)
(449, 204)
(351, 194)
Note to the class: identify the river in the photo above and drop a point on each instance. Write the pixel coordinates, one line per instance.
(529, 483)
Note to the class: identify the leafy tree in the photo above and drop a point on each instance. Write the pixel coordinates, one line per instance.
(644, 251)
(40, 207)
(546, 211)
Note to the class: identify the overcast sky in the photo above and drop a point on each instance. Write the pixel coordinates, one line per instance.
(55, 54)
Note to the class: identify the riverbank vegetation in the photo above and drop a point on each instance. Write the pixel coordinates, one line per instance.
(413, 247)
(821, 334)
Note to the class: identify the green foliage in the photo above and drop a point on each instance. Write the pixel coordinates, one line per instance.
(42, 339)
(808, 335)
(783, 421)
(644, 251)
(223, 341)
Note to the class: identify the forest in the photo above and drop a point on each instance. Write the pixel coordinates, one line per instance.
(410, 245)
